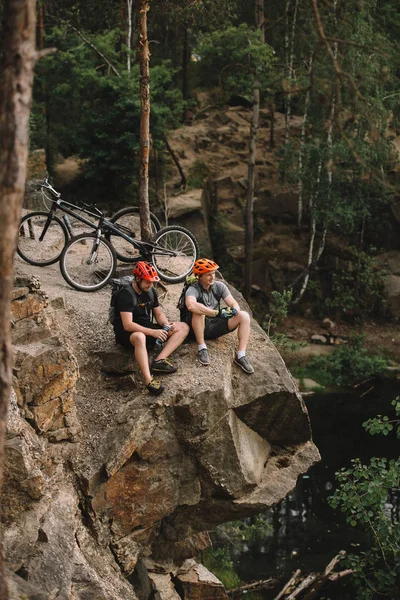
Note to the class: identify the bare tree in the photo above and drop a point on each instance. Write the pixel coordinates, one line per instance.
(17, 63)
(144, 54)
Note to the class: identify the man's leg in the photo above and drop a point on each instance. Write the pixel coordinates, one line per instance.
(242, 322)
(138, 341)
(175, 339)
(198, 326)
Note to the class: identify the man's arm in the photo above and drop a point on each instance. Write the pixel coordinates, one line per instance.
(132, 327)
(160, 316)
(231, 302)
(198, 308)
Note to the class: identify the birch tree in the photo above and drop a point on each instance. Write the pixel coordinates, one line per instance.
(17, 63)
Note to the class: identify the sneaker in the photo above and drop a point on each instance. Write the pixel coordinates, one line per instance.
(203, 357)
(163, 366)
(244, 364)
(155, 387)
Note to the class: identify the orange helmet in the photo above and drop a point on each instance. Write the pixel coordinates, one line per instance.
(145, 271)
(204, 265)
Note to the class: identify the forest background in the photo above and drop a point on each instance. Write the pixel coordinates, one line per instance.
(333, 65)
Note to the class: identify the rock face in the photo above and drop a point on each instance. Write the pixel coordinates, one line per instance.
(122, 520)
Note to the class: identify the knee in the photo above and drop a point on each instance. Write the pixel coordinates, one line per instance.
(138, 339)
(244, 316)
(184, 327)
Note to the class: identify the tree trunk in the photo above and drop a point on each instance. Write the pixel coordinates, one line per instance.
(249, 243)
(250, 192)
(302, 143)
(145, 225)
(129, 36)
(289, 46)
(17, 63)
(40, 27)
(185, 69)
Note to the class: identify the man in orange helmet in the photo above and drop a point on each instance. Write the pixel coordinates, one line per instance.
(208, 320)
(133, 325)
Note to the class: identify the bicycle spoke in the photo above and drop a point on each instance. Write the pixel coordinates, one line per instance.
(86, 263)
(184, 247)
(35, 250)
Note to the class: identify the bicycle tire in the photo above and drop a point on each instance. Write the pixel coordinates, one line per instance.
(129, 217)
(47, 251)
(173, 269)
(81, 270)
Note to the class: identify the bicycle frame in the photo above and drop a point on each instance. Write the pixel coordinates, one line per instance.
(103, 226)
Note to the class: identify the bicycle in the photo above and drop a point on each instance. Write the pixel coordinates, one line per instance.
(41, 247)
(88, 261)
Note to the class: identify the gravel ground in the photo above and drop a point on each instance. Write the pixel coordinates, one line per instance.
(101, 399)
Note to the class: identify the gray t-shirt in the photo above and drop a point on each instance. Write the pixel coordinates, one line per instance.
(211, 298)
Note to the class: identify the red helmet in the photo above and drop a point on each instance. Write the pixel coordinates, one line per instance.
(204, 265)
(145, 271)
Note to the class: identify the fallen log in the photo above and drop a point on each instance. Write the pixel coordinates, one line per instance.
(262, 584)
(292, 581)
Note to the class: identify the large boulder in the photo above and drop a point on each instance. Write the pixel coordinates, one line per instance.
(86, 520)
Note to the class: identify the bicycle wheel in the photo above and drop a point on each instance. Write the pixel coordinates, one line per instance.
(130, 218)
(182, 242)
(36, 251)
(87, 264)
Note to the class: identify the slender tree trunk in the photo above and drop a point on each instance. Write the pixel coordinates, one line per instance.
(145, 225)
(175, 158)
(289, 46)
(129, 35)
(250, 192)
(249, 243)
(17, 63)
(185, 68)
(40, 26)
(302, 142)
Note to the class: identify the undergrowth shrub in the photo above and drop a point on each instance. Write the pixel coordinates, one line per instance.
(350, 363)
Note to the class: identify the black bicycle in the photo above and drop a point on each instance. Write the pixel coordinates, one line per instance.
(41, 247)
(88, 261)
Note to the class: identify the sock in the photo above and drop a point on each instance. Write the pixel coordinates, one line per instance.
(241, 353)
(201, 347)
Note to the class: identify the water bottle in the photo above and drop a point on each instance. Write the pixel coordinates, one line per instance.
(160, 342)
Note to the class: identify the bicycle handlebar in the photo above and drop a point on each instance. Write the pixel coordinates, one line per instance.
(45, 184)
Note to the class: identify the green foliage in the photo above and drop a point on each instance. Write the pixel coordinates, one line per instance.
(349, 363)
(198, 174)
(218, 559)
(219, 562)
(278, 307)
(363, 495)
(381, 425)
(233, 58)
(94, 114)
(358, 290)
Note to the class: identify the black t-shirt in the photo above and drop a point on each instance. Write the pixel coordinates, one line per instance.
(141, 312)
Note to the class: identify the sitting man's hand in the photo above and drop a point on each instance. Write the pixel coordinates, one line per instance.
(226, 312)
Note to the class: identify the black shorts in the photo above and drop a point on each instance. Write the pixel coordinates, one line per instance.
(123, 337)
(215, 327)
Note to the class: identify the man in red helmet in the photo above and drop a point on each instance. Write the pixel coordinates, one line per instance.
(133, 325)
(208, 320)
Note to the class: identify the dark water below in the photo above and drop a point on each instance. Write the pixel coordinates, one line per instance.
(305, 532)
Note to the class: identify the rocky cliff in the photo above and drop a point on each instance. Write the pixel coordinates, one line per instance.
(108, 493)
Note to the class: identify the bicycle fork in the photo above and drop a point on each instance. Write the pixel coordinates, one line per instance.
(95, 249)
